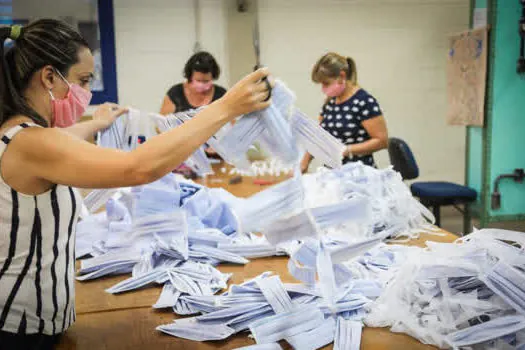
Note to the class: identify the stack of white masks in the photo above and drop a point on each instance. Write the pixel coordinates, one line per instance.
(272, 311)
(197, 161)
(126, 132)
(317, 141)
(458, 294)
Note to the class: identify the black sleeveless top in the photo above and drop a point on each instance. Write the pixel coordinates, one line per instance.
(176, 95)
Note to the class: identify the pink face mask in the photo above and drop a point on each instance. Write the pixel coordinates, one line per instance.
(201, 87)
(335, 89)
(68, 111)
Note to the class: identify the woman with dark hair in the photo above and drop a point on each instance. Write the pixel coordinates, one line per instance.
(198, 90)
(44, 89)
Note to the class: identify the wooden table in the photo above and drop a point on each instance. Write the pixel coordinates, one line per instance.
(127, 321)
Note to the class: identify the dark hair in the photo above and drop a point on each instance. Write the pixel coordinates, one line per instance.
(41, 43)
(330, 66)
(202, 62)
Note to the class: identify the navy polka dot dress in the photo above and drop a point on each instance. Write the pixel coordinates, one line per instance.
(344, 121)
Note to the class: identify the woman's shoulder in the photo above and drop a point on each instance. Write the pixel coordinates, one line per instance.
(366, 105)
(177, 88)
(31, 138)
(16, 122)
(363, 94)
(176, 93)
(329, 101)
(219, 90)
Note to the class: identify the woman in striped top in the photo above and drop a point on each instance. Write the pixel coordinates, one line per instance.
(44, 87)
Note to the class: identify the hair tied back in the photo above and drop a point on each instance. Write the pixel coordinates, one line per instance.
(16, 30)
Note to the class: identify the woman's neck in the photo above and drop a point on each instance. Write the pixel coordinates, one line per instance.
(40, 102)
(197, 99)
(349, 91)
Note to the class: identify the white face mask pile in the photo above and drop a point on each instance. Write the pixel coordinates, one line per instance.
(171, 219)
(450, 295)
(271, 311)
(331, 224)
(453, 295)
(439, 295)
(387, 204)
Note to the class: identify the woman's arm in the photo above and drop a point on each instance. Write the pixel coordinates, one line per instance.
(85, 130)
(53, 155)
(167, 106)
(103, 117)
(305, 162)
(376, 128)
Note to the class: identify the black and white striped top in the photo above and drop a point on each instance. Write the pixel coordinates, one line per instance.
(37, 244)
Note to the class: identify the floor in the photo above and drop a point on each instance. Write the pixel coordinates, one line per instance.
(452, 221)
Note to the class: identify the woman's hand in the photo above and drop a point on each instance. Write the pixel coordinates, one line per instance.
(304, 166)
(248, 95)
(210, 151)
(107, 113)
(102, 118)
(305, 163)
(347, 153)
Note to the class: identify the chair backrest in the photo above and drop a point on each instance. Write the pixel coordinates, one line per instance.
(402, 158)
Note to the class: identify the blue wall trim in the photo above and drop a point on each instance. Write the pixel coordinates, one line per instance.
(107, 47)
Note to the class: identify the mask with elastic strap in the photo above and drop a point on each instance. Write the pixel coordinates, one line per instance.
(68, 110)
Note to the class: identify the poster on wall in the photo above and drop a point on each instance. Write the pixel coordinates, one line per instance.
(467, 77)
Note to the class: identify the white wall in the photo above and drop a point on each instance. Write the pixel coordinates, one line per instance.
(400, 47)
(153, 41)
(240, 39)
(214, 35)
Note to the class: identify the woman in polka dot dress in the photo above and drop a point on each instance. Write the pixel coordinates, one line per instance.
(350, 113)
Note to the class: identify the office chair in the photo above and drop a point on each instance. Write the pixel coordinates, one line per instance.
(434, 194)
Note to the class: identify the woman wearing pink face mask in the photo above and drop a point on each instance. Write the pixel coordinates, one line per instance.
(198, 90)
(44, 82)
(350, 113)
